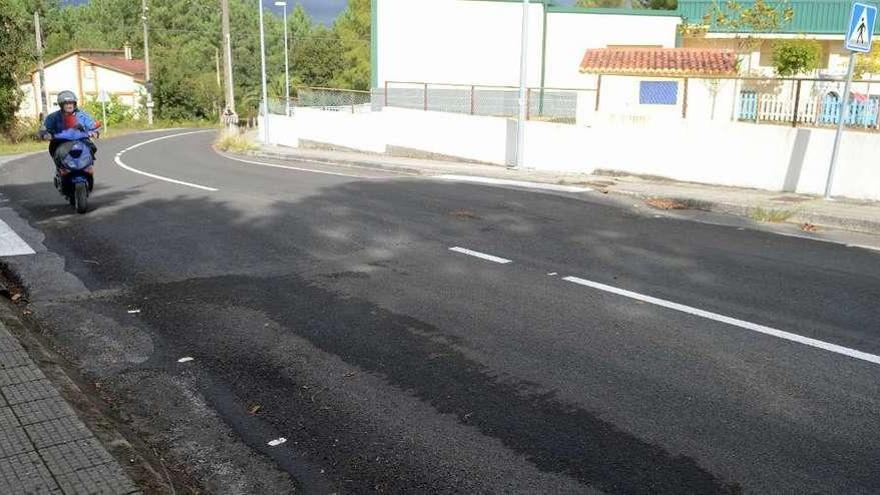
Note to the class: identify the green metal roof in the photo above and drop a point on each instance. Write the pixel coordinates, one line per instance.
(810, 16)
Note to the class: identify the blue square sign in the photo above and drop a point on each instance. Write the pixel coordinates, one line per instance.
(860, 31)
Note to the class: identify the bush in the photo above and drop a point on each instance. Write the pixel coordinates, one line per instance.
(793, 57)
(117, 112)
(23, 130)
(235, 143)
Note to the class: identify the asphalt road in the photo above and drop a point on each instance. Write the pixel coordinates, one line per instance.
(617, 351)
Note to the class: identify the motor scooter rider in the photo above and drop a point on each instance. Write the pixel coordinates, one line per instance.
(68, 116)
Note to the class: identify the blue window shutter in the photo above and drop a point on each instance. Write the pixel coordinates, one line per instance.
(658, 92)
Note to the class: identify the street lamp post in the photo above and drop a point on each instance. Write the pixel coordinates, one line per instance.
(286, 63)
(265, 102)
(523, 74)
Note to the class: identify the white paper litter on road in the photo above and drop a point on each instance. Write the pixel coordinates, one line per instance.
(133, 311)
(185, 359)
(277, 442)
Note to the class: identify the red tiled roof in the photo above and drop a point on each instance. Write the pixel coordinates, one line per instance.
(133, 67)
(660, 61)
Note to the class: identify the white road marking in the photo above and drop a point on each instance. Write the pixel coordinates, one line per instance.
(119, 162)
(185, 359)
(516, 183)
(862, 246)
(288, 167)
(11, 244)
(483, 256)
(277, 442)
(846, 351)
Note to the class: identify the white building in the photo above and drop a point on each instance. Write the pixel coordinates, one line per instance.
(87, 73)
(477, 42)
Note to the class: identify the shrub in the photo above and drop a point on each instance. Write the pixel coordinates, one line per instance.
(793, 57)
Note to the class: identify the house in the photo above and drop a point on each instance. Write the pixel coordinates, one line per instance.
(638, 84)
(87, 73)
(821, 20)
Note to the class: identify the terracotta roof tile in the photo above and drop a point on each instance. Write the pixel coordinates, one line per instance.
(134, 67)
(660, 61)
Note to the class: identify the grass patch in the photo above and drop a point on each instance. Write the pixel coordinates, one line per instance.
(770, 215)
(235, 143)
(7, 148)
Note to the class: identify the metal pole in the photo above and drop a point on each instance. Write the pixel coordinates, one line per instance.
(844, 107)
(286, 65)
(44, 98)
(265, 102)
(149, 83)
(523, 74)
(227, 64)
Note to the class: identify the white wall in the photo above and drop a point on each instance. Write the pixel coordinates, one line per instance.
(722, 153)
(478, 41)
(456, 42)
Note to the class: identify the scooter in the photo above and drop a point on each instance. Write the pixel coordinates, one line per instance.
(75, 177)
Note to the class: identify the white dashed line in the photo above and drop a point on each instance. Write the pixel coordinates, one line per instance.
(119, 162)
(515, 183)
(846, 351)
(11, 244)
(482, 256)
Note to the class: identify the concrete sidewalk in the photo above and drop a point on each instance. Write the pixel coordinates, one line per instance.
(44, 446)
(846, 214)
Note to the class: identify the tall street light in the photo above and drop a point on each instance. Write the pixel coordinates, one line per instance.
(523, 97)
(286, 63)
(265, 102)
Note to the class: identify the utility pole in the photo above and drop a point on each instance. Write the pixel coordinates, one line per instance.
(265, 102)
(44, 98)
(149, 83)
(227, 66)
(523, 74)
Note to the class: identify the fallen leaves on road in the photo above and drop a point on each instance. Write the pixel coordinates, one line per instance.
(666, 204)
(808, 227)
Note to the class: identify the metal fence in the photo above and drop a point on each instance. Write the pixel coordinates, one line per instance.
(327, 99)
(798, 102)
(548, 104)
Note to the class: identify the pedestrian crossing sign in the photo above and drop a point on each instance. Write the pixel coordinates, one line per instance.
(860, 31)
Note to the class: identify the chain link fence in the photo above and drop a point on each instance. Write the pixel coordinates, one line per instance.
(327, 99)
(552, 105)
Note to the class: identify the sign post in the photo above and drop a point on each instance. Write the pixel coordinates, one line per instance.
(104, 97)
(859, 36)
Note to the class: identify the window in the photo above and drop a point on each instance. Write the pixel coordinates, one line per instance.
(658, 92)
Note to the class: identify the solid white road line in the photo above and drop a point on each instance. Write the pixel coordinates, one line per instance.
(11, 244)
(516, 183)
(482, 256)
(846, 351)
(288, 167)
(119, 162)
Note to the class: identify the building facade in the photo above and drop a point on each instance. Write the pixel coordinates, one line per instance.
(88, 73)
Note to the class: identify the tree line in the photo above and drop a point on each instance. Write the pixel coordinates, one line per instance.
(185, 41)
